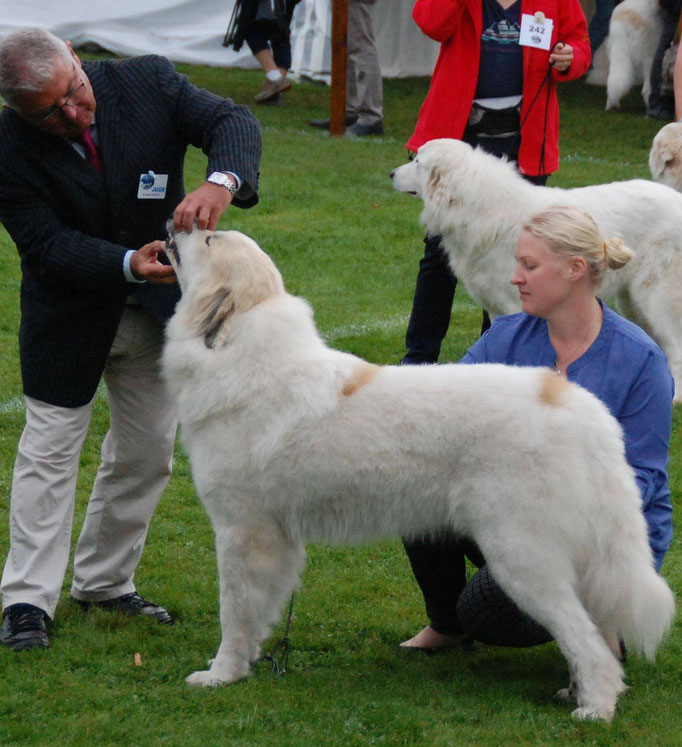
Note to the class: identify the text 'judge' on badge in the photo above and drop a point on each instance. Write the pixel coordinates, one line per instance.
(152, 186)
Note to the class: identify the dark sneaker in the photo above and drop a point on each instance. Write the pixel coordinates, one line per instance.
(363, 130)
(323, 124)
(132, 604)
(23, 627)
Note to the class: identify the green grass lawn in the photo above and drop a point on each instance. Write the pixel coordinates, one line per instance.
(347, 242)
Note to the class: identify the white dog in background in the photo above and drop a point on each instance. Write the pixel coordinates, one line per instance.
(478, 203)
(291, 441)
(665, 156)
(626, 56)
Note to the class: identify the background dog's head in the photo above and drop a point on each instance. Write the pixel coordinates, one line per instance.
(665, 156)
(221, 273)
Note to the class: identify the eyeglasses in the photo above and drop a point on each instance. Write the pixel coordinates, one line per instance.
(73, 98)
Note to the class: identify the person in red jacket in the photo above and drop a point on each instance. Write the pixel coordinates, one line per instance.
(494, 86)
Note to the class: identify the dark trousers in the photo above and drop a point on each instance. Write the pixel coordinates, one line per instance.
(479, 608)
(664, 106)
(260, 37)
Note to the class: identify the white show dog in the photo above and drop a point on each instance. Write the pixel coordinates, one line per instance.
(665, 156)
(626, 57)
(478, 204)
(292, 441)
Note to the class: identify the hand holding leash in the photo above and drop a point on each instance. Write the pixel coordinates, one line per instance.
(561, 56)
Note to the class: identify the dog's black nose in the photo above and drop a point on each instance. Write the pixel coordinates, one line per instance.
(392, 172)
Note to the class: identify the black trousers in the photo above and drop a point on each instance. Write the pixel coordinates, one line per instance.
(479, 608)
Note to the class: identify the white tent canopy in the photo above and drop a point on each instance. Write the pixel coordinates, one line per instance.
(192, 31)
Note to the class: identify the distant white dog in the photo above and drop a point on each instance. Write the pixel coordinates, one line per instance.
(626, 57)
(665, 156)
(291, 441)
(478, 203)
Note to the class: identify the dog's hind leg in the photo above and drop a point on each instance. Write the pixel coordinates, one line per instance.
(596, 675)
(258, 568)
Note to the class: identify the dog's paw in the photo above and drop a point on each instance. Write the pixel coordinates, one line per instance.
(206, 678)
(590, 713)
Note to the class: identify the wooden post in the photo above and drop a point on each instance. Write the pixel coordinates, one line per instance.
(337, 112)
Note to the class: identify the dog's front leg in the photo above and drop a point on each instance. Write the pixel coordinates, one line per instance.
(258, 567)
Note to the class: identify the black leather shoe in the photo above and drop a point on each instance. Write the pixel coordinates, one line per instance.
(323, 124)
(132, 604)
(661, 112)
(23, 627)
(361, 130)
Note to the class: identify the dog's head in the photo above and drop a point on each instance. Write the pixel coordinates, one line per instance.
(444, 170)
(665, 157)
(221, 273)
(424, 175)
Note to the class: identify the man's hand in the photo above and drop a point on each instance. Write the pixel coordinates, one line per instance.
(562, 57)
(205, 205)
(145, 265)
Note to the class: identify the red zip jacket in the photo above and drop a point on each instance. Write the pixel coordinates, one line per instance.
(457, 25)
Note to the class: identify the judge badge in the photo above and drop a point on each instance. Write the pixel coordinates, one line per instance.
(536, 30)
(152, 186)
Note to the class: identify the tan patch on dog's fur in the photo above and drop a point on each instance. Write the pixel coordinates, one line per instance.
(634, 19)
(361, 376)
(552, 387)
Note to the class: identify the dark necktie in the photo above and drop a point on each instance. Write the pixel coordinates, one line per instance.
(91, 152)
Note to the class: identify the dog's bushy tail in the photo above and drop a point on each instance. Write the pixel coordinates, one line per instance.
(624, 593)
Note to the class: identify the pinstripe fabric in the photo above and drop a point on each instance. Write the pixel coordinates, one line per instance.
(72, 226)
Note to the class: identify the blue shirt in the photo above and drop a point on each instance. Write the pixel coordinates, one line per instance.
(500, 71)
(627, 370)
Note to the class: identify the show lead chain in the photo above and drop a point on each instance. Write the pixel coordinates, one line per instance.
(547, 80)
(283, 644)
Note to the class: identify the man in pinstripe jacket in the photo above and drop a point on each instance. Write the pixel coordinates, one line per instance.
(91, 167)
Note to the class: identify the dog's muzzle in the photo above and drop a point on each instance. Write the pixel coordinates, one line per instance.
(171, 245)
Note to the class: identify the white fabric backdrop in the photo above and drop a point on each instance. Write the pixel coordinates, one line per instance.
(192, 31)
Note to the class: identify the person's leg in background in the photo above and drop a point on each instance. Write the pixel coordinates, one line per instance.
(598, 29)
(659, 105)
(364, 87)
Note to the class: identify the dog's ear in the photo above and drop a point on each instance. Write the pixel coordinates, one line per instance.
(216, 312)
(434, 188)
(662, 156)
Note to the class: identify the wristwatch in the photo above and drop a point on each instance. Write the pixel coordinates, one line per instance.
(217, 177)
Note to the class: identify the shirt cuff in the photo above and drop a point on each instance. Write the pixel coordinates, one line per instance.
(126, 268)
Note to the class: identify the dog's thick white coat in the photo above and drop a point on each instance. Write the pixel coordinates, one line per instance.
(626, 57)
(478, 203)
(291, 441)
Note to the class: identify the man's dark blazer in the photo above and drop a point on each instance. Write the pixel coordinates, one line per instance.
(73, 226)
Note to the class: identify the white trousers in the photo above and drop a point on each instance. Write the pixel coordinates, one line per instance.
(137, 455)
(364, 89)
